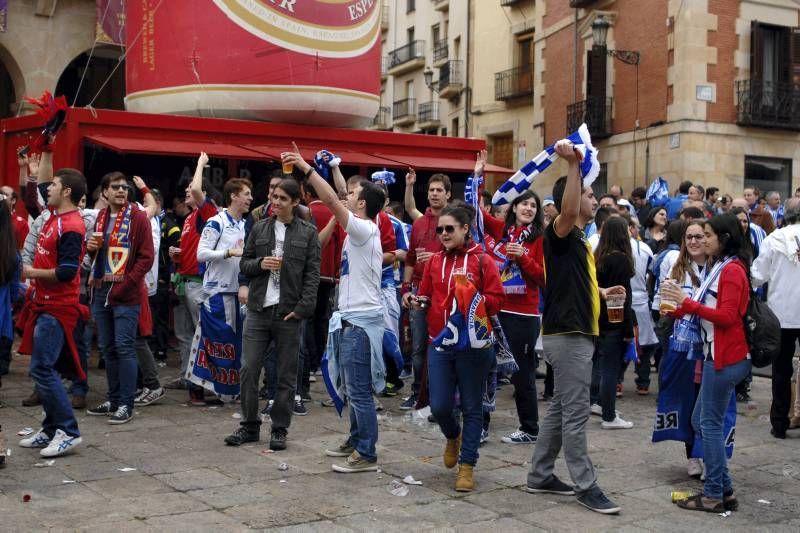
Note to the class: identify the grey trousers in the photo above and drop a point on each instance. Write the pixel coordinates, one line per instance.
(564, 425)
(147, 364)
(261, 328)
(187, 315)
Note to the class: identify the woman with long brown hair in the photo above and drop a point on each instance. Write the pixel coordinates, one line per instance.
(9, 285)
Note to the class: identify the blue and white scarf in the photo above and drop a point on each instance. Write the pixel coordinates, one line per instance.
(522, 180)
(472, 194)
(384, 176)
(324, 161)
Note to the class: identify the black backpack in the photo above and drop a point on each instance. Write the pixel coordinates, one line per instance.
(762, 329)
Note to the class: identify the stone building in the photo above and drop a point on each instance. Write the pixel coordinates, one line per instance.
(424, 70)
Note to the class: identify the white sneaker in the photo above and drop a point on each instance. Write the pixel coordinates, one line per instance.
(694, 468)
(597, 409)
(35, 440)
(60, 445)
(617, 423)
(149, 396)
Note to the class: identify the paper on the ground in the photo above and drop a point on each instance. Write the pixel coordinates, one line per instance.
(409, 480)
(126, 469)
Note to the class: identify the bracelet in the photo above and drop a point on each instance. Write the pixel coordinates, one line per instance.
(309, 171)
(145, 190)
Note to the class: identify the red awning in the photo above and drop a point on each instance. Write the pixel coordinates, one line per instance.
(348, 157)
(443, 164)
(171, 147)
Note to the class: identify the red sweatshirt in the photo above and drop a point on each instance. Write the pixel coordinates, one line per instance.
(423, 235)
(531, 264)
(733, 297)
(437, 281)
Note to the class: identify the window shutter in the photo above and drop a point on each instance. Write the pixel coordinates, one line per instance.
(756, 50)
(794, 55)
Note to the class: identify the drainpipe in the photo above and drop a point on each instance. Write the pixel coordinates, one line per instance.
(575, 62)
(468, 103)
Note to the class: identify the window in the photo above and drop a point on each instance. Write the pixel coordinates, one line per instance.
(774, 53)
(410, 34)
(435, 34)
(455, 129)
(410, 6)
(443, 132)
(768, 174)
(525, 50)
(457, 47)
(503, 150)
(410, 89)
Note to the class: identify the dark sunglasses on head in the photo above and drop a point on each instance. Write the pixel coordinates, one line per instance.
(118, 187)
(443, 229)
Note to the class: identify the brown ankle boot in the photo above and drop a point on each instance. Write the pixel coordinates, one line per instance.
(464, 482)
(451, 451)
(32, 400)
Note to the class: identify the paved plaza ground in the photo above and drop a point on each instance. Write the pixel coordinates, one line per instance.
(185, 479)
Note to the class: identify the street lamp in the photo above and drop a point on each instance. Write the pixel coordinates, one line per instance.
(600, 33)
(428, 74)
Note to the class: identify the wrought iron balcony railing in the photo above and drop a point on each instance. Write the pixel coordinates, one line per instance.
(440, 50)
(404, 109)
(513, 83)
(404, 54)
(383, 118)
(450, 74)
(428, 112)
(768, 104)
(595, 112)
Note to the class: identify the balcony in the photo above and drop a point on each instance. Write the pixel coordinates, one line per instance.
(595, 112)
(768, 105)
(428, 117)
(404, 112)
(384, 68)
(441, 51)
(513, 83)
(385, 16)
(450, 79)
(407, 58)
(441, 5)
(383, 120)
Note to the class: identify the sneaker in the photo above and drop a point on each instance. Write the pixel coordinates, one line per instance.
(503, 381)
(268, 408)
(277, 439)
(597, 409)
(327, 402)
(554, 486)
(197, 398)
(355, 463)
(299, 408)
(343, 450)
(36, 440)
(104, 409)
(617, 423)
(149, 396)
(409, 403)
(406, 374)
(743, 397)
(60, 445)
(78, 402)
(520, 437)
(122, 415)
(389, 391)
(241, 436)
(312, 378)
(484, 436)
(431, 418)
(176, 384)
(594, 500)
(139, 391)
(642, 391)
(378, 405)
(694, 468)
(619, 390)
(32, 400)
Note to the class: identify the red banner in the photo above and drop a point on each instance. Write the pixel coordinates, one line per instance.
(111, 21)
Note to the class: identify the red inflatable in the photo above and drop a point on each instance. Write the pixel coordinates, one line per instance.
(300, 61)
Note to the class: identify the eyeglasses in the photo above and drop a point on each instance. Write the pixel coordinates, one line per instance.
(119, 187)
(445, 229)
(698, 237)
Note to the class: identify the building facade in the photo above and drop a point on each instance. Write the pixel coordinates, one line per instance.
(424, 69)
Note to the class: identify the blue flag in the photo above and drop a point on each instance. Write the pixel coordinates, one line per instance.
(657, 193)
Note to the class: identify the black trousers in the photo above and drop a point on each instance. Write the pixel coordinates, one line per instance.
(522, 332)
(782, 381)
(317, 334)
(159, 307)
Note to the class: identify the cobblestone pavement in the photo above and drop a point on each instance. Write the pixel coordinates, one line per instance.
(185, 478)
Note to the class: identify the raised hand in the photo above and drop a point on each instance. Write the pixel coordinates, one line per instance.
(480, 163)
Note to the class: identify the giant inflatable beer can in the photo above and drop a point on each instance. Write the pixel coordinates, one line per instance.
(300, 61)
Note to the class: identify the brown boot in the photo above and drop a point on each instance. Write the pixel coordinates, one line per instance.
(32, 400)
(451, 451)
(79, 402)
(464, 482)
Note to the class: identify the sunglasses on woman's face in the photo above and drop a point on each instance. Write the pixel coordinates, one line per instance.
(445, 229)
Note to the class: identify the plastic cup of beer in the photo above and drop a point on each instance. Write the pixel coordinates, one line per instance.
(460, 275)
(277, 254)
(667, 306)
(288, 168)
(615, 303)
(97, 239)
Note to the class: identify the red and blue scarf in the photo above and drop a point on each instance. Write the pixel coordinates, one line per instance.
(119, 246)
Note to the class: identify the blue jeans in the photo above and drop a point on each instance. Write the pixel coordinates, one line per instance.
(418, 321)
(117, 328)
(83, 340)
(708, 419)
(48, 340)
(466, 370)
(356, 357)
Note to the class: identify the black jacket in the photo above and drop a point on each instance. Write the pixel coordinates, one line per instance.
(299, 272)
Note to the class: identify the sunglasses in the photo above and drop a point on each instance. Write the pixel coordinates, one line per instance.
(698, 237)
(118, 187)
(445, 229)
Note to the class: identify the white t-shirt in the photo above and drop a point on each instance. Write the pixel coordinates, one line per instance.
(151, 277)
(361, 268)
(273, 294)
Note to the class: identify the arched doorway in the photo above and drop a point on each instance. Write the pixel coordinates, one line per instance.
(103, 62)
(8, 97)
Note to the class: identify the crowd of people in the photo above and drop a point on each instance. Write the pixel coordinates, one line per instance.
(328, 280)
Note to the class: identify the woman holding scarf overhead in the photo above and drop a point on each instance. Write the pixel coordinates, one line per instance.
(516, 245)
(710, 324)
(462, 267)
